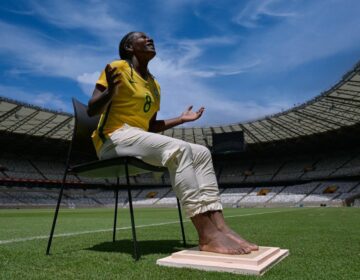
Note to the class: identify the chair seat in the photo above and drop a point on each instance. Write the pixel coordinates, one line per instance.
(114, 167)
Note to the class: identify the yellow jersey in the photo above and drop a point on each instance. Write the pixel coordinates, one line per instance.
(135, 102)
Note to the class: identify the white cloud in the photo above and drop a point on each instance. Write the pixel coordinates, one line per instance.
(50, 100)
(88, 78)
(180, 88)
(187, 55)
(97, 17)
(251, 14)
(87, 81)
(190, 49)
(182, 84)
(223, 70)
(320, 30)
(24, 12)
(45, 57)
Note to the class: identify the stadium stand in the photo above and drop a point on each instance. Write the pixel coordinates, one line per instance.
(233, 171)
(263, 171)
(168, 200)
(293, 195)
(259, 196)
(231, 196)
(150, 197)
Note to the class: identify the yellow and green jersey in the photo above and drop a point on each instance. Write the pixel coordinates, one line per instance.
(135, 102)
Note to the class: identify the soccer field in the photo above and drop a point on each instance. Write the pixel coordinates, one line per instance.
(324, 243)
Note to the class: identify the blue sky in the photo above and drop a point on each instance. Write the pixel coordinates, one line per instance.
(241, 60)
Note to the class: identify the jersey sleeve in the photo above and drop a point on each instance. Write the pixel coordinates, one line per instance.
(102, 79)
(119, 64)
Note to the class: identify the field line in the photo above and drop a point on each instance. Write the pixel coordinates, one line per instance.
(126, 228)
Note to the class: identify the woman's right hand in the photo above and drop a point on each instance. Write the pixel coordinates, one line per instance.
(102, 96)
(112, 78)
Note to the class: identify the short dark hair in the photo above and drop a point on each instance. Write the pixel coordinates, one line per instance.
(123, 53)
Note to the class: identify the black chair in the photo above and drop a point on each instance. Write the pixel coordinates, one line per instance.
(82, 160)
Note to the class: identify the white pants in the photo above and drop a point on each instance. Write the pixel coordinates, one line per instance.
(190, 165)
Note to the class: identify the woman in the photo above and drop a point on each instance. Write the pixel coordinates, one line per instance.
(128, 97)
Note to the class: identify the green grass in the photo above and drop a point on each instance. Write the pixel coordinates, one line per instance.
(324, 243)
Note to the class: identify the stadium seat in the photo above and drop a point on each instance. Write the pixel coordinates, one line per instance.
(82, 160)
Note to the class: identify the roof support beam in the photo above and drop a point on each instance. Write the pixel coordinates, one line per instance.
(353, 83)
(267, 125)
(68, 135)
(314, 117)
(22, 121)
(302, 121)
(58, 127)
(335, 113)
(9, 113)
(343, 99)
(349, 92)
(326, 113)
(204, 137)
(264, 135)
(339, 102)
(248, 133)
(33, 130)
(276, 123)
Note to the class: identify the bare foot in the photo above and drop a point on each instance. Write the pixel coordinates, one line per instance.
(218, 219)
(223, 244)
(241, 241)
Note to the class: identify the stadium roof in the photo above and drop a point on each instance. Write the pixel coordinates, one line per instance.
(17, 117)
(337, 107)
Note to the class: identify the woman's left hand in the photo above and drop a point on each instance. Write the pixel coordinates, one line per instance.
(189, 115)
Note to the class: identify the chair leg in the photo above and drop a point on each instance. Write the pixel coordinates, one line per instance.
(56, 214)
(116, 209)
(136, 251)
(181, 222)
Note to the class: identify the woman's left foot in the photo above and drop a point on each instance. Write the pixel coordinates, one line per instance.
(237, 238)
(218, 219)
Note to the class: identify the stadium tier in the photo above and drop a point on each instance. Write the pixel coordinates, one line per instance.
(307, 155)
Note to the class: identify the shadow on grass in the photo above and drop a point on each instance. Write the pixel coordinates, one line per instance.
(147, 247)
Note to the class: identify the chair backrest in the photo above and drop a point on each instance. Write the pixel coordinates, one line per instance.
(82, 148)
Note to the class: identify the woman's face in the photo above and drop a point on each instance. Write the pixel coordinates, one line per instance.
(142, 44)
